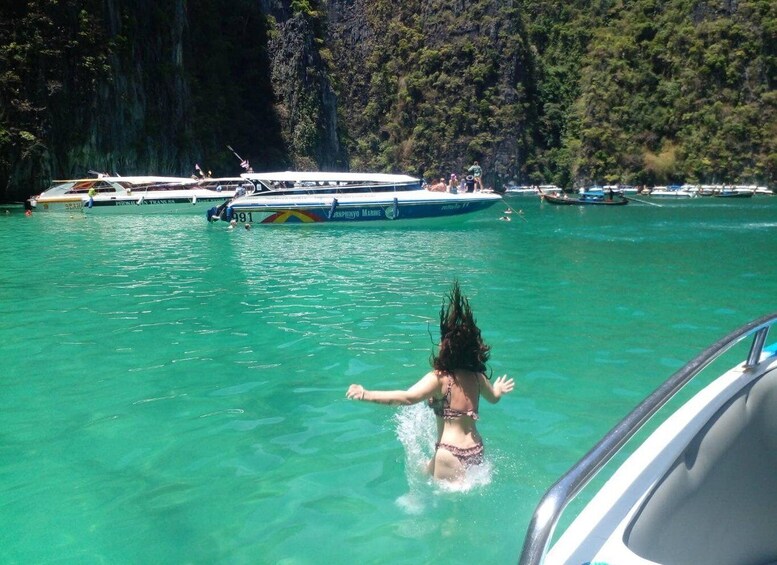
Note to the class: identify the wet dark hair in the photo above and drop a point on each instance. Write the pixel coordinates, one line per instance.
(461, 346)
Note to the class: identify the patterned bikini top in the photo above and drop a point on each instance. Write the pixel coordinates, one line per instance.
(442, 406)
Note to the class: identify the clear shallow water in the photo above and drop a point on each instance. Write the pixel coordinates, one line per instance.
(174, 391)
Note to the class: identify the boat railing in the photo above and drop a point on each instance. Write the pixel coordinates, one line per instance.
(313, 188)
(558, 496)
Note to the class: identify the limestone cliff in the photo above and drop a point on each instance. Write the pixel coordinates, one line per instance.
(535, 90)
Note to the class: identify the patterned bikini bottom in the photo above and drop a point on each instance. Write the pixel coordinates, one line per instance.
(466, 456)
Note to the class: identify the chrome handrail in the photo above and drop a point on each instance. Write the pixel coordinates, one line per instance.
(558, 496)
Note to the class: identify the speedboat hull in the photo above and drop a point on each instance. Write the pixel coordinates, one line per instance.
(188, 203)
(361, 208)
(300, 197)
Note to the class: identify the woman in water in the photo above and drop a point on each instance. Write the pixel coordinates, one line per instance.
(453, 388)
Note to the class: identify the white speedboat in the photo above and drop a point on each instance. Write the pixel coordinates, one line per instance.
(306, 197)
(71, 195)
(193, 196)
(534, 190)
(622, 188)
(673, 192)
(702, 488)
(137, 194)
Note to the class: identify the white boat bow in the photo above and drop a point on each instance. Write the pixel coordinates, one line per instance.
(702, 488)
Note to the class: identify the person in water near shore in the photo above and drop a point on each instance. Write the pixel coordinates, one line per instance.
(452, 389)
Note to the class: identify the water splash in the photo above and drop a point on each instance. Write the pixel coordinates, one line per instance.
(416, 430)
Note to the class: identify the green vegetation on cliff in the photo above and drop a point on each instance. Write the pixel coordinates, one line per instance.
(679, 91)
(564, 92)
(437, 89)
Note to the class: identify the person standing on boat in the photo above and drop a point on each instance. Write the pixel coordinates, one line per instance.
(453, 183)
(452, 389)
(477, 172)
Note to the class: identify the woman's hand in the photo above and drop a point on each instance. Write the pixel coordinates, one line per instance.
(355, 392)
(503, 385)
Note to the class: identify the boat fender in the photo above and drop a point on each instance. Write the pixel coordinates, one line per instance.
(332, 209)
(140, 201)
(211, 213)
(396, 209)
(194, 199)
(230, 213)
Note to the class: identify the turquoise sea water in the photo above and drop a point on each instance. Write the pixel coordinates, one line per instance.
(173, 391)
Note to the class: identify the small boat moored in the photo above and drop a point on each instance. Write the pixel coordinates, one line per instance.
(674, 191)
(587, 198)
(320, 197)
(701, 488)
(532, 190)
(734, 193)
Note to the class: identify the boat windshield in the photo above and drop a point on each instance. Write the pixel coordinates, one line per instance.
(84, 186)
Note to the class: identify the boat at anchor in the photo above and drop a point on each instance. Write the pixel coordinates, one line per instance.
(138, 194)
(323, 197)
(588, 198)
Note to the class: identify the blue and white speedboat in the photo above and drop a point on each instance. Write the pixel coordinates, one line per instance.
(701, 488)
(321, 197)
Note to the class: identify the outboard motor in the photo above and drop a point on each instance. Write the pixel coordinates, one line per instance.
(223, 212)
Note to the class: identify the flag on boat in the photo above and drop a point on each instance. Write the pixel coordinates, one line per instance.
(245, 164)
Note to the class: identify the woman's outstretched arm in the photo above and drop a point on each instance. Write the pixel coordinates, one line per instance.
(493, 392)
(423, 389)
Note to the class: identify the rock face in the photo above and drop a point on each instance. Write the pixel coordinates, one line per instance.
(305, 98)
(142, 87)
(536, 91)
